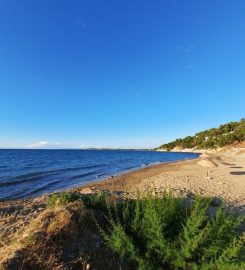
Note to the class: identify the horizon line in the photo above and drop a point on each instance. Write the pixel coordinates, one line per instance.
(92, 148)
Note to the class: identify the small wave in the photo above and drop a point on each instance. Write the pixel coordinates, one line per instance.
(35, 176)
(82, 175)
(20, 179)
(70, 169)
(15, 194)
(92, 166)
(42, 188)
(157, 162)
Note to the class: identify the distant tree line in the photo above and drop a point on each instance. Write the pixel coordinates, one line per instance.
(230, 133)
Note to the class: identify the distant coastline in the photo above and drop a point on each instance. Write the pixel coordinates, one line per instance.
(224, 137)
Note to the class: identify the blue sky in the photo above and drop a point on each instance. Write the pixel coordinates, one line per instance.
(118, 73)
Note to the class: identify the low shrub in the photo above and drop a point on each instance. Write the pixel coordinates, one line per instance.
(172, 234)
(62, 198)
(98, 201)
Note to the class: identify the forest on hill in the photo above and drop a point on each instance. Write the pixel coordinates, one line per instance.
(227, 134)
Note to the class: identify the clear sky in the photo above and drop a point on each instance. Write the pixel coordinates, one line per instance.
(118, 73)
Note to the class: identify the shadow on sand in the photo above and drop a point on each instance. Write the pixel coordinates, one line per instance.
(237, 173)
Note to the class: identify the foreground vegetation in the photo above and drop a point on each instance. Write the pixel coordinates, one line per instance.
(230, 133)
(171, 233)
(101, 231)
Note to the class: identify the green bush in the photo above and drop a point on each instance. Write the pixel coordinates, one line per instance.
(99, 201)
(173, 234)
(62, 198)
(233, 132)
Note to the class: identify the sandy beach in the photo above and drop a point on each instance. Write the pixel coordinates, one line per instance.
(227, 182)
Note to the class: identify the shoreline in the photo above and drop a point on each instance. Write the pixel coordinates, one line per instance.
(144, 172)
(101, 181)
(97, 180)
(184, 177)
(128, 180)
(139, 176)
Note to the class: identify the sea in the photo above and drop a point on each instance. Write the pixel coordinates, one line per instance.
(30, 173)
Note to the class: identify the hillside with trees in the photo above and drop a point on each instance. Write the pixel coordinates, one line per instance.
(227, 134)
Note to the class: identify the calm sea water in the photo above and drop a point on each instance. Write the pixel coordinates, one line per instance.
(28, 173)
